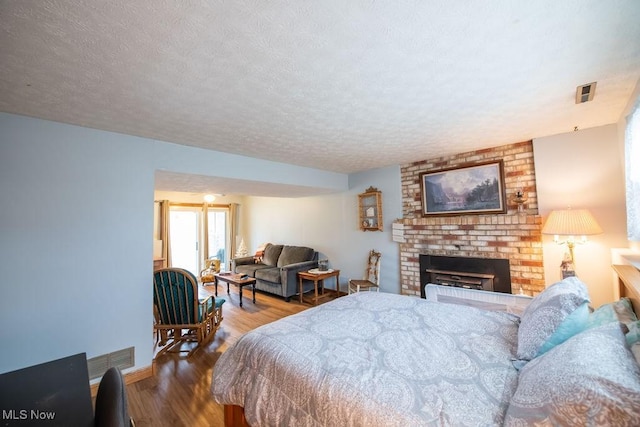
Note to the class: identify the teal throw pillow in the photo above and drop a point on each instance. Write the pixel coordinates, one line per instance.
(618, 311)
(572, 325)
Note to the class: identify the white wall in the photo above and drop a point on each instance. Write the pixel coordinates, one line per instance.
(198, 161)
(583, 169)
(329, 224)
(75, 242)
(76, 234)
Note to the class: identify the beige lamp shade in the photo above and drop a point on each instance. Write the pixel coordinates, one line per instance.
(571, 222)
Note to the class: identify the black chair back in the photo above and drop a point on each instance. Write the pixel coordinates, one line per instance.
(111, 401)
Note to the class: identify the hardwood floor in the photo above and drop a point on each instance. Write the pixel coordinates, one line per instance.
(178, 394)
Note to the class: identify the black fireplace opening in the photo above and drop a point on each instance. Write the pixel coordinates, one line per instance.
(474, 273)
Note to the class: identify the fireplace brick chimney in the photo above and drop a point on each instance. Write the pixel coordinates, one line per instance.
(515, 236)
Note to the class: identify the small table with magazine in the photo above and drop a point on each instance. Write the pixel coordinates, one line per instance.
(317, 277)
(235, 279)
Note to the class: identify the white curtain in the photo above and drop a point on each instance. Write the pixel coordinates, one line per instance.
(632, 168)
(233, 230)
(164, 232)
(205, 237)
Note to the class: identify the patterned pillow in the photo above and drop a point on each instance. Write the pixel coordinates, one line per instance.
(546, 314)
(591, 379)
(573, 324)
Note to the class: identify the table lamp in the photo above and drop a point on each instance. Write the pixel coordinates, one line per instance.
(571, 223)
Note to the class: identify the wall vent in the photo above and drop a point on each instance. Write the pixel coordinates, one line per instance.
(585, 93)
(121, 359)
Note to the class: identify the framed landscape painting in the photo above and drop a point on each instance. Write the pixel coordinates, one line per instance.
(472, 189)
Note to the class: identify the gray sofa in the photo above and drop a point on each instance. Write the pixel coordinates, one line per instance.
(277, 271)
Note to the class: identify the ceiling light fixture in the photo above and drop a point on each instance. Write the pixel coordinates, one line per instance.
(209, 198)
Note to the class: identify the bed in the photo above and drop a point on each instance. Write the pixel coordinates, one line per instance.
(377, 359)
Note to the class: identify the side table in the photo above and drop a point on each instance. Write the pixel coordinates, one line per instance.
(317, 277)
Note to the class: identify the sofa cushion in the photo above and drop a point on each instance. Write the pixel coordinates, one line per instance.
(250, 269)
(295, 254)
(271, 274)
(271, 254)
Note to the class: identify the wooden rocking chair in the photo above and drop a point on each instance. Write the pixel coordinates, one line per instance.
(371, 280)
(180, 315)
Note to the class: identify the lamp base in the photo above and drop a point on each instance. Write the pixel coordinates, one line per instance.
(567, 267)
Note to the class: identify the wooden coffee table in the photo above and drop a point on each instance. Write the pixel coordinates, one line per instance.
(235, 279)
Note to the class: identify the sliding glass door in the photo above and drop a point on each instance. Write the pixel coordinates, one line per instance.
(217, 233)
(193, 240)
(184, 232)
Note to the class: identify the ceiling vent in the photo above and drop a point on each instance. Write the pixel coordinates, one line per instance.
(585, 93)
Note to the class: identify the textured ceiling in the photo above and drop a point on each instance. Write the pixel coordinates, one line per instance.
(337, 85)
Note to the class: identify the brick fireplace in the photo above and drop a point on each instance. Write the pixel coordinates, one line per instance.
(514, 236)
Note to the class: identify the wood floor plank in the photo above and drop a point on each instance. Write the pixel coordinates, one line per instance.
(178, 393)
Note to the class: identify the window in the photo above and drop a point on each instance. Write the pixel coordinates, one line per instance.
(632, 168)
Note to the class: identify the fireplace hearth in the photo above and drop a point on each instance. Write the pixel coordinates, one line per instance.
(472, 273)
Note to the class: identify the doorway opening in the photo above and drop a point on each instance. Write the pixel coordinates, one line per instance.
(198, 233)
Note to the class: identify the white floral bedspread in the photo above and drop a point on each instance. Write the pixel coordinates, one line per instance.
(373, 359)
